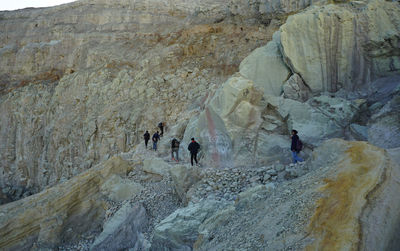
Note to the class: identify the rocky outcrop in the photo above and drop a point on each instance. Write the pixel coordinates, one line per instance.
(383, 128)
(338, 204)
(85, 82)
(180, 230)
(119, 189)
(294, 88)
(59, 214)
(184, 177)
(156, 166)
(265, 67)
(123, 230)
(255, 126)
(343, 46)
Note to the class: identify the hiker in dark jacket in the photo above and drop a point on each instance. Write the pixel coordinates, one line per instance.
(294, 147)
(155, 138)
(161, 126)
(175, 149)
(193, 149)
(146, 137)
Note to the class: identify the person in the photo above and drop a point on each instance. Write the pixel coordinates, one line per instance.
(294, 147)
(175, 149)
(193, 149)
(155, 138)
(161, 126)
(146, 137)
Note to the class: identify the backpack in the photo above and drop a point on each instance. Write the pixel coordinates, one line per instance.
(175, 143)
(299, 145)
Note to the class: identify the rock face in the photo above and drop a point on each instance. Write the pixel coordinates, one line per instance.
(80, 83)
(345, 210)
(85, 82)
(343, 46)
(61, 213)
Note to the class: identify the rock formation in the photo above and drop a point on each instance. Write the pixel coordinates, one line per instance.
(61, 213)
(343, 46)
(338, 206)
(80, 83)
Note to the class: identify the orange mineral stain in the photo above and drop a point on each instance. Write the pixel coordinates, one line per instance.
(335, 223)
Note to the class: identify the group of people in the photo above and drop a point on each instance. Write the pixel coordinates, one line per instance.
(194, 147)
(156, 136)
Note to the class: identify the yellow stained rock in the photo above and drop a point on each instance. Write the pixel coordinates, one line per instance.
(335, 224)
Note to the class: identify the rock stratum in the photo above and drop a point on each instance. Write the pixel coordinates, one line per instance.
(81, 82)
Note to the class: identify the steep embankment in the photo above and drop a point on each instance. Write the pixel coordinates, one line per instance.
(80, 82)
(330, 71)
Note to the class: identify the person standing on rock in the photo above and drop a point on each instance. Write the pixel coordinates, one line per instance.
(161, 126)
(175, 149)
(146, 137)
(193, 149)
(296, 147)
(155, 139)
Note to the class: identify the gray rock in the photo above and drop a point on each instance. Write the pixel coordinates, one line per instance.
(359, 132)
(123, 230)
(180, 230)
(384, 126)
(294, 88)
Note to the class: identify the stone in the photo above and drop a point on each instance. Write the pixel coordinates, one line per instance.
(61, 213)
(320, 118)
(265, 67)
(272, 148)
(335, 29)
(359, 132)
(266, 177)
(383, 128)
(123, 230)
(118, 189)
(156, 166)
(184, 177)
(210, 132)
(294, 88)
(180, 229)
(236, 102)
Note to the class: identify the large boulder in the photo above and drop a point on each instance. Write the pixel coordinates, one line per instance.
(349, 200)
(265, 67)
(119, 189)
(384, 126)
(180, 230)
(156, 166)
(184, 177)
(210, 131)
(318, 119)
(123, 230)
(237, 101)
(62, 213)
(294, 88)
(343, 46)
